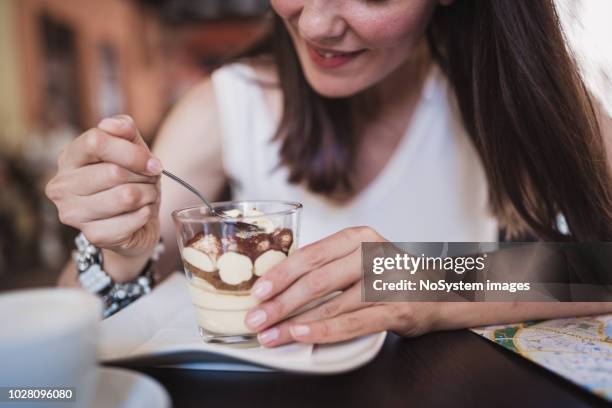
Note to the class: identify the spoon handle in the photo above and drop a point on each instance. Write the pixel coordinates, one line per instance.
(190, 188)
(244, 226)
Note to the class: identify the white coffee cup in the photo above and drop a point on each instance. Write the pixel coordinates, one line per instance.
(48, 339)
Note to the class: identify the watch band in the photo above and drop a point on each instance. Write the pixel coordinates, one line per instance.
(89, 261)
(115, 296)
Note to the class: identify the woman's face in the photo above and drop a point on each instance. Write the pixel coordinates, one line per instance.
(347, 46)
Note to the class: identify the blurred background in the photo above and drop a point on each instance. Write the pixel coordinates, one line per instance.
(65, 64)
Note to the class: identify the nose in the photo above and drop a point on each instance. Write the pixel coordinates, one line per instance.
(321, 21)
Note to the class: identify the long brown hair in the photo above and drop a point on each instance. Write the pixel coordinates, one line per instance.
(522, 102)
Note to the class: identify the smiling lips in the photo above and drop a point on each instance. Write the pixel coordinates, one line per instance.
(329, 59)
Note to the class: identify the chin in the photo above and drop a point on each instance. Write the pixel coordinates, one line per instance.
(333, 87)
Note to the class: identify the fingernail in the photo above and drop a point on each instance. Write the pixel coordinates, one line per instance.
(256, 319)
(112, 123)
(268, 336)
(299, 330)
(154, 166)
(261, 288)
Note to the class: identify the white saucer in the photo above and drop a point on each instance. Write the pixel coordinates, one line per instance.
(120, 388)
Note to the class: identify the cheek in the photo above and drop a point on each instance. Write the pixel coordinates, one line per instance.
(287, 8)
(393, 27)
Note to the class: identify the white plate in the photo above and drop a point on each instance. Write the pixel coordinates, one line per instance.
(160, 329)
(119, 388)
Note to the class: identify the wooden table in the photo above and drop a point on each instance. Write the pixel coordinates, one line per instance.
(450, 369)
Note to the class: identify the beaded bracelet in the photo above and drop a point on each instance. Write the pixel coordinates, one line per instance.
(115, 296)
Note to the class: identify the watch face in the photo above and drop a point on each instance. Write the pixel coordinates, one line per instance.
(94, 279)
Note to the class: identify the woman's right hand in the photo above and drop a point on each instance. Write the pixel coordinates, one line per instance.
(107, 186)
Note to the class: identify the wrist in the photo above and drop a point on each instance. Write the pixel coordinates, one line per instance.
(124, 268)
(115, 293)
(438, 317)
(459, 315)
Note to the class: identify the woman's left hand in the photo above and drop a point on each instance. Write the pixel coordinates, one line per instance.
(314, 271)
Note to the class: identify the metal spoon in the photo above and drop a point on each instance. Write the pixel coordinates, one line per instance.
(215, 211)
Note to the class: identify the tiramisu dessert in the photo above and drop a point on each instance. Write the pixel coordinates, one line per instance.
(225, 260)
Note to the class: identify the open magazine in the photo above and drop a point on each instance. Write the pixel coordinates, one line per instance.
(161, 329)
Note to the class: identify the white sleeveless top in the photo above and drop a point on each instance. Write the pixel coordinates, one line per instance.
(433, 188)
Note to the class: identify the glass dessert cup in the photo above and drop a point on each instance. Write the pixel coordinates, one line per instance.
(223, 259)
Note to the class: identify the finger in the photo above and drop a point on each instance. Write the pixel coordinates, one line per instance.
(113, 231)
(95, 178)
(96, 146)
(336, 275)
(346, 326)
(117, 200)
(311, 257)
(122, 126)
(347, 301)
(122, 199)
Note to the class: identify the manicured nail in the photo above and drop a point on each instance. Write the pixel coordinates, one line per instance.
(261, 289)
(154, 166)
(299, 330)
(268, 336)
(256, 319)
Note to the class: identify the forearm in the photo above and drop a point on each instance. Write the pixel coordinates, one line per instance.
(68, 276)
(463, 314)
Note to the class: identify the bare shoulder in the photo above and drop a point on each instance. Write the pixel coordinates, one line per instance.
(193, 118)
(196, 116)
(199, 100)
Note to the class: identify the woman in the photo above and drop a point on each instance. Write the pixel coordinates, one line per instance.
(426, 120)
